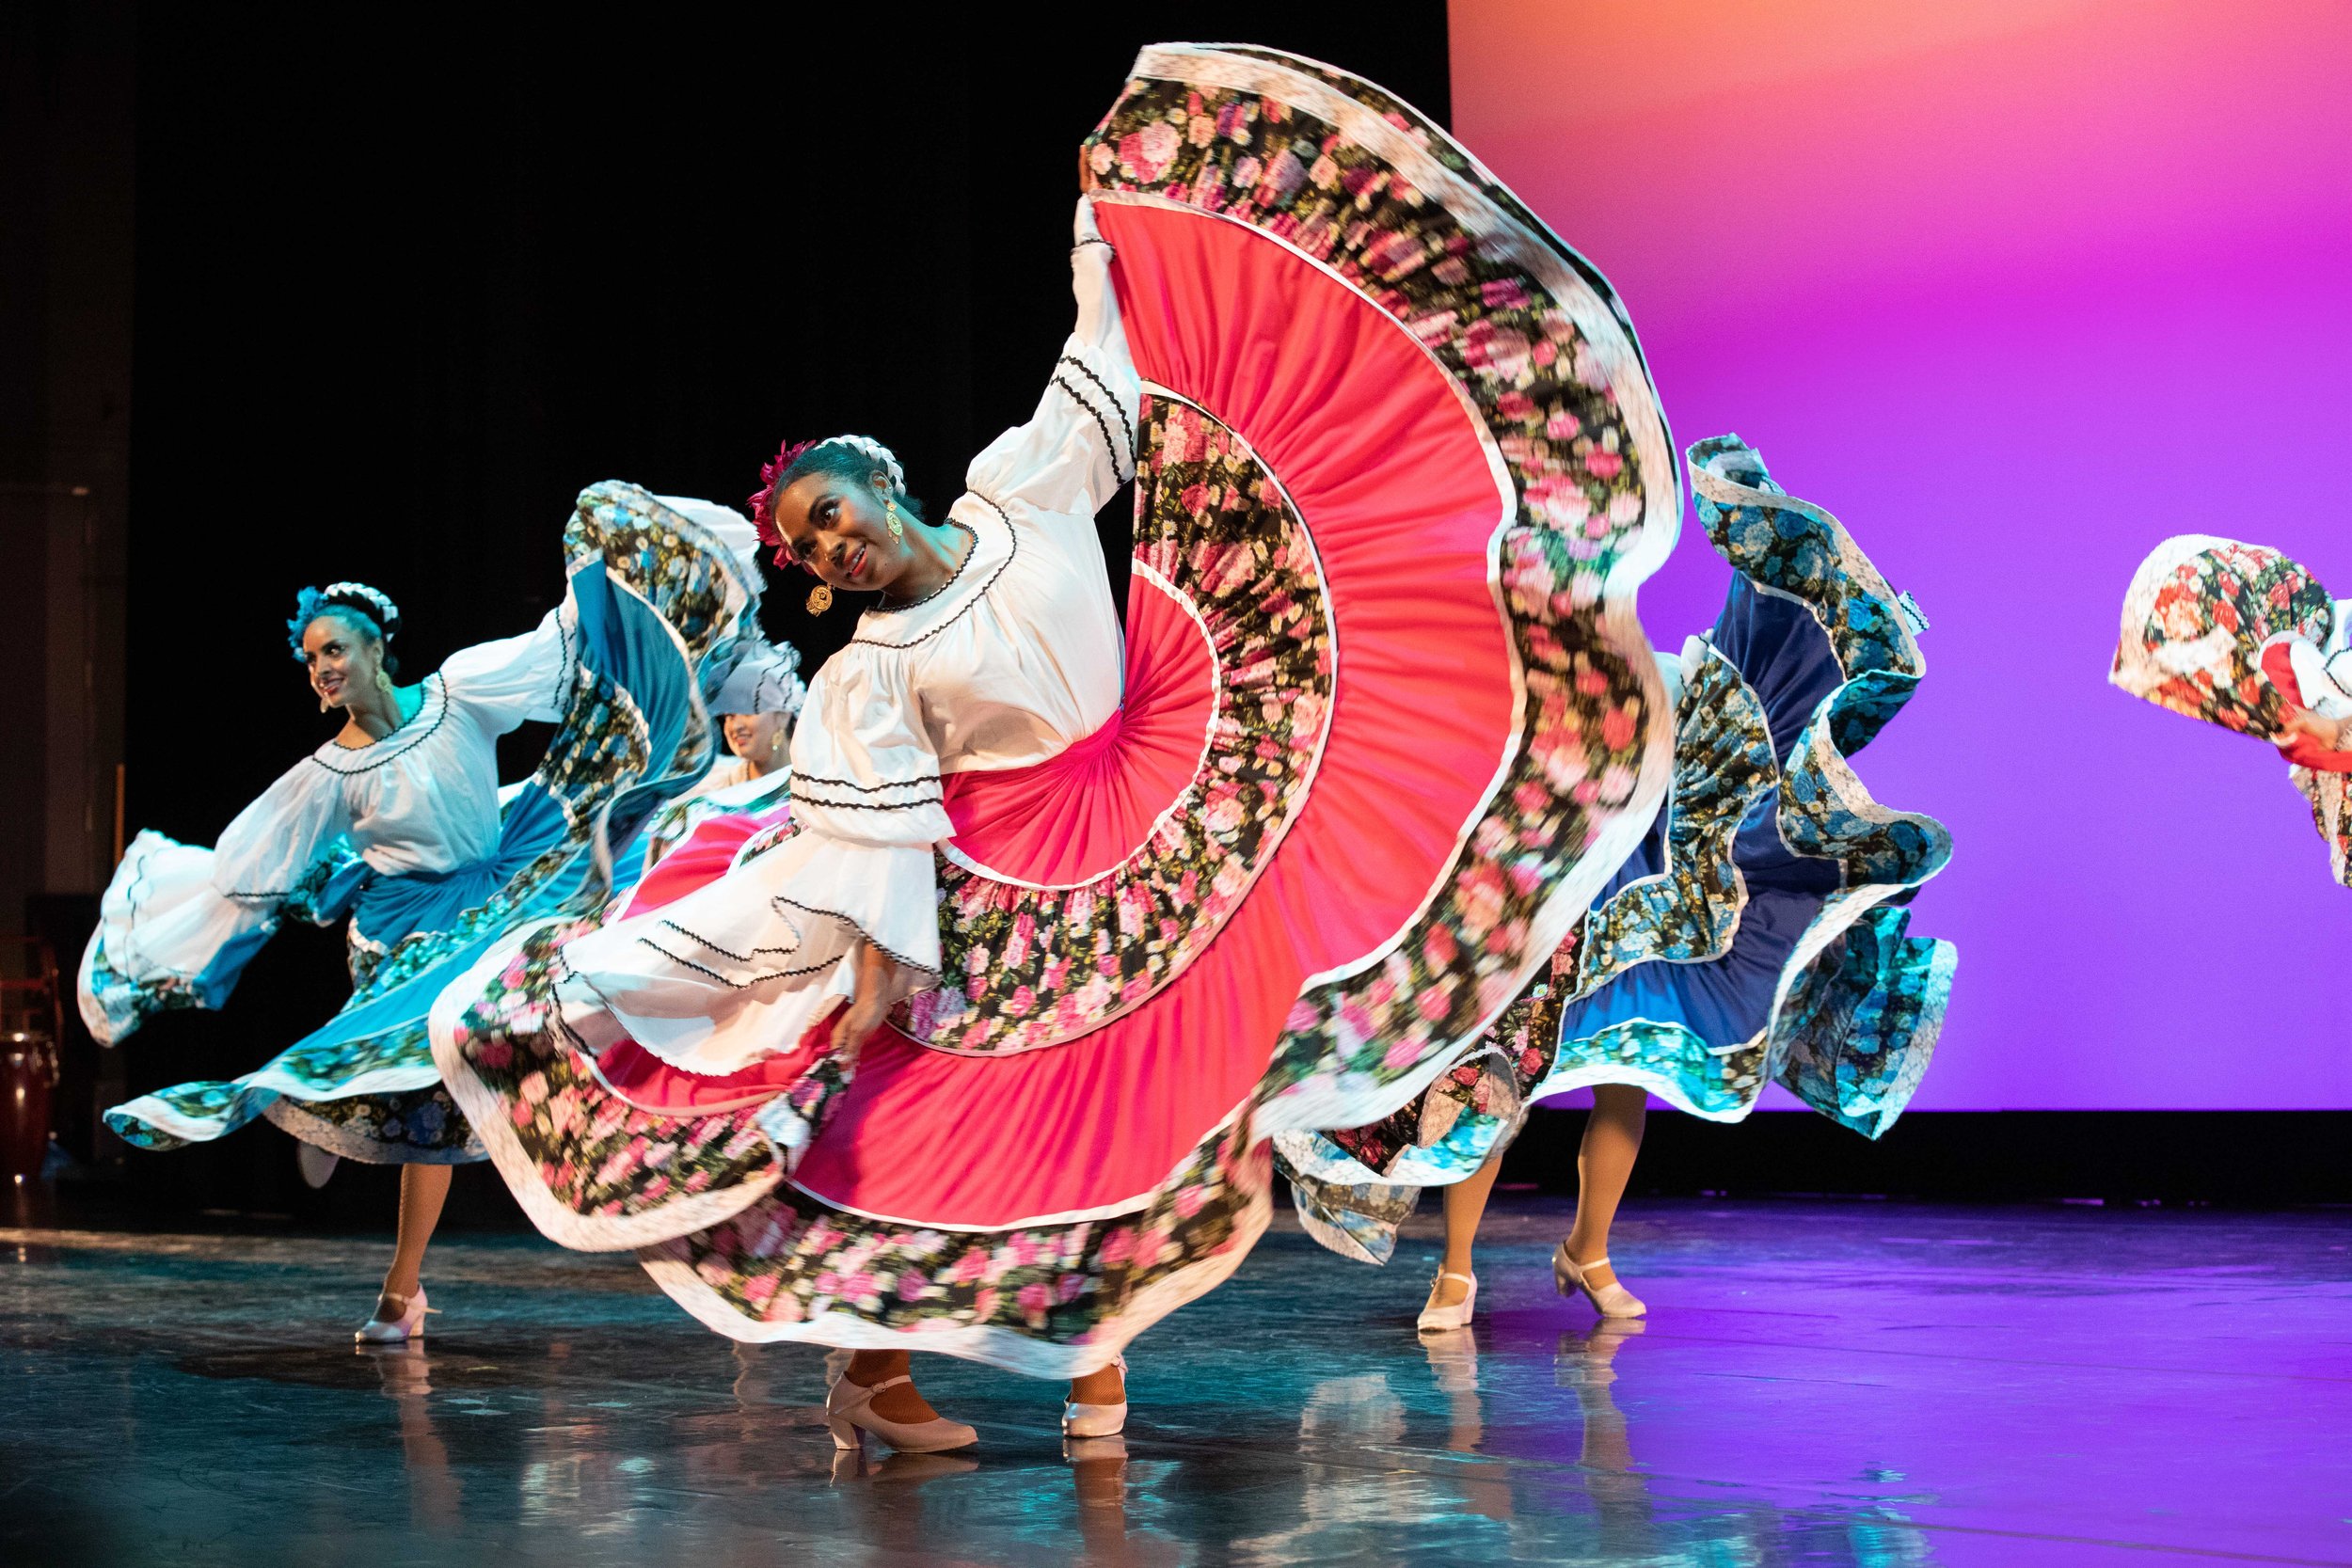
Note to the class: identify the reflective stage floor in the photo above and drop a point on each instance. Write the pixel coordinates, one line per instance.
(1818, 1383)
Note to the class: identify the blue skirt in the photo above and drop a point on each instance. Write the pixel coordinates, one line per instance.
(1758, 934)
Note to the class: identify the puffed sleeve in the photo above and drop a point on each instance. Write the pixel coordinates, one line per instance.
(1079, 447)
(269, 849)
(743, 967)
(179, 922)
(517, 679)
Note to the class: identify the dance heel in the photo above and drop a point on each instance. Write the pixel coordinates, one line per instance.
(850, 1409)
(380, 1330)
(1611, 1300)
(1096, 1421)
(1435, 1319)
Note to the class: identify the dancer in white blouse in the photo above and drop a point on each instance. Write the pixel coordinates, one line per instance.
(399, 822)
(994, 645)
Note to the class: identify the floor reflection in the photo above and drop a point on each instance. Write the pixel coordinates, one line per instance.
(436, 1495)
(1784, 1406)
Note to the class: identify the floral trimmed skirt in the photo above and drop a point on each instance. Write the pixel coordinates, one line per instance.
(1388, 726)
(660, 602)
(1759, 933)
(2241, 636)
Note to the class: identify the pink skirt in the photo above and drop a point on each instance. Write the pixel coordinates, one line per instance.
(1390, 725)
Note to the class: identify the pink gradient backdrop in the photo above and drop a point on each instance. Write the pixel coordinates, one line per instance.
(2016, 288)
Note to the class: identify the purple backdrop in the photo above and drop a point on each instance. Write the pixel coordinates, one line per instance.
(2016, 289)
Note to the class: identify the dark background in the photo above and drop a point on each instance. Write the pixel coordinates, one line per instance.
(402, 290)
(394, 293)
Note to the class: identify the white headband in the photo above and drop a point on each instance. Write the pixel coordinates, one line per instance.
(385, 612)
(881, 456)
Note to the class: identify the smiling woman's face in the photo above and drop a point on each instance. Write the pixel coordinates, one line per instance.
(342, 659)
(756, 737)
(839, 529)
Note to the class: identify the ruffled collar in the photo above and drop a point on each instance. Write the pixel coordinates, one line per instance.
(432, 712)
(994, 546)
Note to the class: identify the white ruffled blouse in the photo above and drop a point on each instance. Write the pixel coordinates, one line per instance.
(1013, 661)
(424, 799)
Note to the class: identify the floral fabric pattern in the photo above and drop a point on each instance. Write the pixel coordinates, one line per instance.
(610, 1175)
(1723, 765)
(1032, 967)
(1847, 1041)
(786, 1264)
(420, 1127)
(1587, 463)
(2201, 613)
(2194, 635)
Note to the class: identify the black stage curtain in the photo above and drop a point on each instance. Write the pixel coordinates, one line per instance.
(404, 291)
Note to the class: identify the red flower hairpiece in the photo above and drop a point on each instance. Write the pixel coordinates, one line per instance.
(764, 500)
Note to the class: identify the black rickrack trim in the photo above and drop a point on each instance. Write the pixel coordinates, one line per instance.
(882, 607)
(863, 934)
(739, 957)
(1109, 444)
(892, 954)
(867, 789)
(1116, 407)
(1093, 239)
(745, 984)
(863, 805)
(1013, 550)
(440, 685)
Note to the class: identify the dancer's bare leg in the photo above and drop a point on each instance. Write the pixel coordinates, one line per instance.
(1106, 1387)
(1604, 1163)
(902, 1404)
(1465, 1206)
(422, 1190)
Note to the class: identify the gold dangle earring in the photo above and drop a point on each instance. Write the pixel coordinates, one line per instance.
(897, 529)
(820, 598)
(383, 681)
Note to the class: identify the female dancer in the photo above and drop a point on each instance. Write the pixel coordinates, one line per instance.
(980, 1052)
(755, 709)
(1756, 935)
(2246, 637)
(398, 822)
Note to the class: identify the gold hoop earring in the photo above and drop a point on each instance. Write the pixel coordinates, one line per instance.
(897, 529)
(820, 598)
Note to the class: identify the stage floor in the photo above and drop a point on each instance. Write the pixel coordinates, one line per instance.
(1818, 1383)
